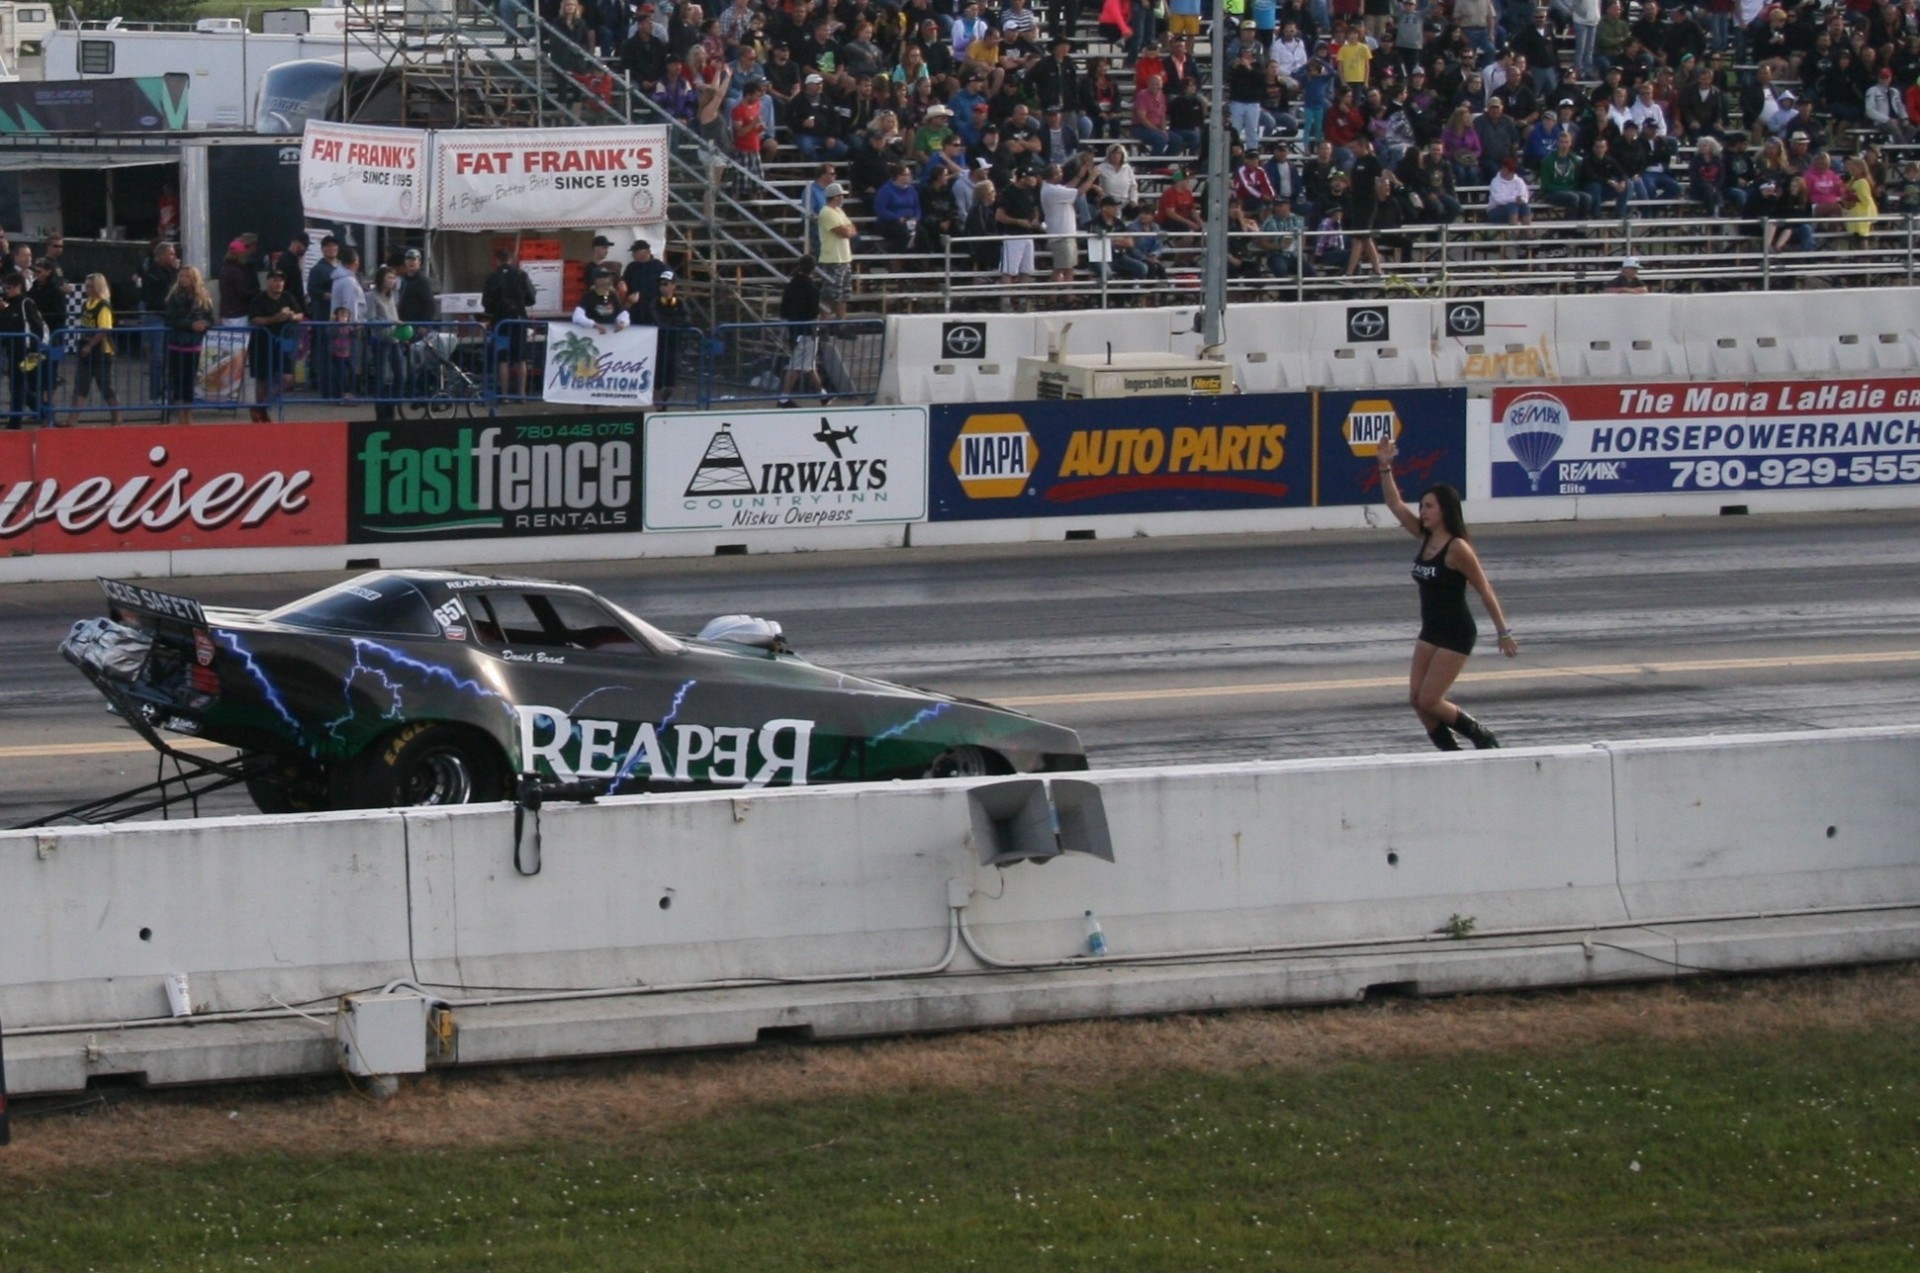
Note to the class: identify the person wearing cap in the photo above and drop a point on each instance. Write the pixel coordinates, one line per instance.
(1055, 84)
(1017, 218)
(837, 233)
(272, 319)
(1885, 107)
(600, 308)
(505, 300)
(48, 290)
(800, 311)
(1057, 142)
(1020, 27)
(23, 338)
(643, 55)
(814, 123)
(237, 284)
(1509, 202)
(671, 319)
(640, 281)
(1628, 281)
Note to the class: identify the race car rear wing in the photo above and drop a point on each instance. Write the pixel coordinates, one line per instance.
(160, 605)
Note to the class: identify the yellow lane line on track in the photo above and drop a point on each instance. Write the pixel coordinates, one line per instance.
(104, 749)
(1516, 674)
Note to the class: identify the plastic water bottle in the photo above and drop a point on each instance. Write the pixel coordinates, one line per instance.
(1096, 940)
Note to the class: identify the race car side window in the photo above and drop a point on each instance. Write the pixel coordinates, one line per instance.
(562, 621)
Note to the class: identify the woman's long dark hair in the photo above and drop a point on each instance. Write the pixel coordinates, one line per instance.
(1448, 501)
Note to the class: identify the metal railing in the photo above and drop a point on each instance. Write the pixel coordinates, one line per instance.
(1429, 260)
(423, 370)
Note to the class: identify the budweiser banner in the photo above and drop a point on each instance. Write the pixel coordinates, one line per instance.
(158, 488)
(551, 178)
(354, 173)
(585, 364)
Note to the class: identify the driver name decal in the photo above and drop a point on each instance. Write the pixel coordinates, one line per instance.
(641, 752)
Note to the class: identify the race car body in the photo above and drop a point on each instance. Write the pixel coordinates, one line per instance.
(409, 687)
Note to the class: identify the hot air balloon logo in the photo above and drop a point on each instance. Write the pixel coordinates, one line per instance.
(1535, 425)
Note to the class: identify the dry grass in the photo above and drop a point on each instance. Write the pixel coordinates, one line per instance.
(628, 1099)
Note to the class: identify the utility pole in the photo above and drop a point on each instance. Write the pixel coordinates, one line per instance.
(1213, 268)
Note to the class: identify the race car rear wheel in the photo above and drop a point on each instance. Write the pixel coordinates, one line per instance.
(964, 762)
(426, 763)
(291, 784)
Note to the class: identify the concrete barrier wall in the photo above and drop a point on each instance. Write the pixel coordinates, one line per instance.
(252, 909)
(857, 883)
(1526, 339)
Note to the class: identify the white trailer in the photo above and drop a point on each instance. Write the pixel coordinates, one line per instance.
(226, 65)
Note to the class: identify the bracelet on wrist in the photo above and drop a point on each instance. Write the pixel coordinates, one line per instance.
(1504, 636)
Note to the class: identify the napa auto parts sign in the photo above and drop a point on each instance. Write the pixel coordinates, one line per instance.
(158, 488)
(1736, 436)
(554, 178)
(357, 174)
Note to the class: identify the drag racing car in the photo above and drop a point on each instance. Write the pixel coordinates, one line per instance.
(422, 687)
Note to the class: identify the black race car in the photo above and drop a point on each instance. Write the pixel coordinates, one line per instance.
(411, 687)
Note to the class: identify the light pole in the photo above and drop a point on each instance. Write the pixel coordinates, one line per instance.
(1213, 267)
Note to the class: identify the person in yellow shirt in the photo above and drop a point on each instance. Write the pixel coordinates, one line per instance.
(1859, 202)
(96, 350)
(1356, 58)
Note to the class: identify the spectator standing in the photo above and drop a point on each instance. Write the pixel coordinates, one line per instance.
(641, 280)
(800, 311)
(896, 210)
(505, 300)
(1018, 216)
(271, 316)
(189, 313)
(237, 284)
(836, 250)
(96, 351)
(1060, 195)
(23, 334)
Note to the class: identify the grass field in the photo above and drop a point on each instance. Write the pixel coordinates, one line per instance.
(1765, 1124)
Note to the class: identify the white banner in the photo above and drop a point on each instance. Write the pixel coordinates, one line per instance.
(350, 172)
(553, 178)
(767, 470)
(604, 368)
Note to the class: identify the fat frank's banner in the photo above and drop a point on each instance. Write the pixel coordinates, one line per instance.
(491, 179)
(1631, 439)
(550, 178)
(373, 176)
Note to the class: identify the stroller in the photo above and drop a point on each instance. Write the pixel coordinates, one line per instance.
(442, 388)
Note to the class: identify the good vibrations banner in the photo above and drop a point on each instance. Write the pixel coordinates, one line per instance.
(599, 367)
(1623, 439)
(354, 173)
(553, 178)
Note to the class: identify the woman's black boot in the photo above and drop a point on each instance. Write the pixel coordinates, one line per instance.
(1473, 731)
(1443, 738)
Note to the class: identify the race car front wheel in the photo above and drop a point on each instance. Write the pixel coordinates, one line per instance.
(428, 764)
(964, 762)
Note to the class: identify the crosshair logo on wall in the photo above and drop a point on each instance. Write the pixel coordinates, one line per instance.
(1366, 323)
(963, 340)
(1467, 319)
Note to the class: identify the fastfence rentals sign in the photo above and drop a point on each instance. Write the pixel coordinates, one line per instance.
(591, 365)
(1761, 435)
(355, 173)
(552, 178)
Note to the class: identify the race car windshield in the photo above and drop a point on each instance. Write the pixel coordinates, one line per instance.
(392, 606)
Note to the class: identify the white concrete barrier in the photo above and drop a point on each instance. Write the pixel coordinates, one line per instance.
(1402, 355)
(1515, 344)
(1623, 337)
(250, 909)
(697, 920)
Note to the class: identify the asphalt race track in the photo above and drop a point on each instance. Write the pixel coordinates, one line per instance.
(1179, 651)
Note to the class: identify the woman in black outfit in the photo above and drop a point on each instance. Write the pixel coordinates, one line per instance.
(1444, 566)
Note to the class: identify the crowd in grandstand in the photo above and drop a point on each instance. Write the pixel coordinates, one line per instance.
(1353, 118)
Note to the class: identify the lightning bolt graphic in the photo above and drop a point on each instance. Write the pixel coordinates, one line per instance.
(430, 673)
(267, 690)
(920, 717)
(626, 770)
